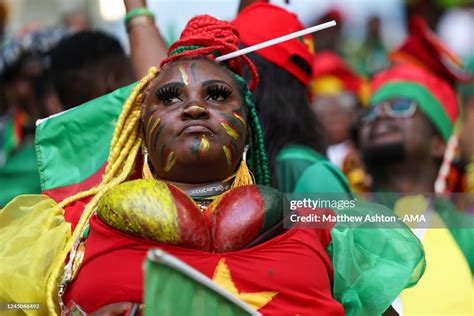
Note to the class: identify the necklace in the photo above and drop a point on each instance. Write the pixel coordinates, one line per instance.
(210, 190)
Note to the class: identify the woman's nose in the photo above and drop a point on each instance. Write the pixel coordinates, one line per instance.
(195, 112)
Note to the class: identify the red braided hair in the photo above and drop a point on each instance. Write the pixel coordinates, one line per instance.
(214, 36)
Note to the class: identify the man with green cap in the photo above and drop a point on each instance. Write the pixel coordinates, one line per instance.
(403, 138)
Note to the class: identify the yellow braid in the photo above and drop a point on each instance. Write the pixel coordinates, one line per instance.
(125, 145)
(130, 132)
(131, 102)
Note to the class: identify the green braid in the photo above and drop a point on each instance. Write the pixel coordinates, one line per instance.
(259, 159)
(182, 49)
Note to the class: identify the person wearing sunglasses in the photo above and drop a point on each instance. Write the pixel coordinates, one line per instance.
(403, 137)
(394, 108)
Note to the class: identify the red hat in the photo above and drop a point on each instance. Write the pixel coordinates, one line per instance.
(328, 65)
(435, 97)
(261, 22)
(426, 72)
(423, 49)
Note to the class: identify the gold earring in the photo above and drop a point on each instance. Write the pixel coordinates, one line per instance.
(146, 172)
(243, 176)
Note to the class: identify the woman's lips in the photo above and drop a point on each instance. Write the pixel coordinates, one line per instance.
(196, 129)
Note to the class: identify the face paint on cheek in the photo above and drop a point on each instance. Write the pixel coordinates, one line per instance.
(240, 116)
(234, 123)
(230, 129)
(228, 155)
(157, 134)
(233, 147)
(184, 76)
(170, 160)
(153, 123)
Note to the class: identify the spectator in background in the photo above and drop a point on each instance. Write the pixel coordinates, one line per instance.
(87, 65)
(330, 39)
(294, 137)
(403, 139)
(27, 97)
(371, 55)
(338, 98)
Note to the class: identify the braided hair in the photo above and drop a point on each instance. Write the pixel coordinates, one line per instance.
(209, 37)
(203, 36)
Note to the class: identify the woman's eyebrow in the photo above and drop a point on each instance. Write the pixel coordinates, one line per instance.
(211, 82)
(175, 84)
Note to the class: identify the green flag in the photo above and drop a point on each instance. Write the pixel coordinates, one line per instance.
(174, 288)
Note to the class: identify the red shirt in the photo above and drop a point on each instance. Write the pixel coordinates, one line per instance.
(294, 265)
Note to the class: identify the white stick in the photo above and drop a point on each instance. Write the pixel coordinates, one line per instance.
(276, 40)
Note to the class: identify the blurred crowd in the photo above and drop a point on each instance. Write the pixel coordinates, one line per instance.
(46, 70)
(383, 116)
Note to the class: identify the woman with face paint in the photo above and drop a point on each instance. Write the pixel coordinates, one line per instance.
(177, 179)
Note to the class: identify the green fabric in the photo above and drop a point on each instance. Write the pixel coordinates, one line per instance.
(459, 223)
(75, 144)
(300, 169)
(169, 291)
(373, 265)
(19, 175)
(461, 227)
(432, 108)
(8, 141)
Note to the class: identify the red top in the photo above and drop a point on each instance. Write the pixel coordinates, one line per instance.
(294, 264)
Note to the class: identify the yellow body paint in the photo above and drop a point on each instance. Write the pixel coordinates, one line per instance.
(184, 75)
(170, 161)
(133, 207)
(227, 154)
(204, 145)
(230, 131)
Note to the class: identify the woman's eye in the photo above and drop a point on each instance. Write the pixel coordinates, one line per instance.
(218, 93)
(171, 100)
(169, 95)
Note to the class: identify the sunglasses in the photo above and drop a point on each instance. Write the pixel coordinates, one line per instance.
(395, 108)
